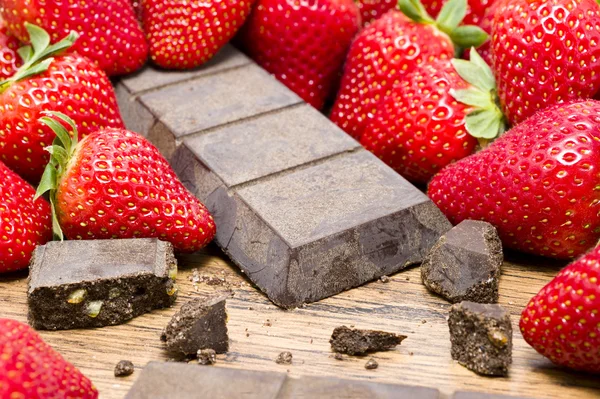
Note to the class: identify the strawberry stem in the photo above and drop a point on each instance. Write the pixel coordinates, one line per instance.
(61, 151)
(486, 121)
(38, 55)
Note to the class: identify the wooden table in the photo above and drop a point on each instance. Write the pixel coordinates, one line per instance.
(259, 331)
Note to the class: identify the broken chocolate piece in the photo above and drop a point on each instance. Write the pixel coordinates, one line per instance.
(464, 265)
(96, 283)
(371, 364)
(124, 368)
(358, 342)
(185, 381)
(481, 337)
(207, 356)
(284, 358)
(200, 324)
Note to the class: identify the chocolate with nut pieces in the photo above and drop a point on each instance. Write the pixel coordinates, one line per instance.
(96, 283)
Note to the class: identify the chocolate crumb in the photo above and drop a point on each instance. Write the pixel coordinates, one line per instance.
(371, 364)
(284, 358)
(124, 368)
(358, 342)
(423, 321)
(338, 356)
(384, 279)
(207, 356)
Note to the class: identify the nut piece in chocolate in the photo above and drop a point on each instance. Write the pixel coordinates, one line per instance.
(359, 342)
(200, 324)
(464, 265)
(481, 337)
(96, 283)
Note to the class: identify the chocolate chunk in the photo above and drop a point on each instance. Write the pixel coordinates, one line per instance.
(184, 381)
(124, 368)
(371, 364)
(200, 324)
(464, 265)
(207, 356)
(95, 283)
(358, 342)
(284, 358)
(481, 337)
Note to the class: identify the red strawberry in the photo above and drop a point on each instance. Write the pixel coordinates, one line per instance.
(485, 50)
(562, 322)
(32, 369)
(186, 34)
(538, 183)
(386, 51)
(475, 11)
(110, 33)
(302, 42)
(370, 10)
(72, 84)
(421, 127)
(24, 223)
(9, 59)
(115, 184)
(545, 52)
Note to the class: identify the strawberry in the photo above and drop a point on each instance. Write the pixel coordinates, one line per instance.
(545, 53)
(110, 33)
(562, 322)
(302, 42)
(393, 46)
(24, 223)
(32, 369)
(186, 34)
(433, 117)
(370, 10)
(115, 184)
(10, 60)
(537, 184)
(68, 83)
(485, 23)
(476, 10)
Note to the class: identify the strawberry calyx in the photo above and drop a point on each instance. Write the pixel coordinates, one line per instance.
(38, 55)
(486, 121)
(61, 152)
(448, 21)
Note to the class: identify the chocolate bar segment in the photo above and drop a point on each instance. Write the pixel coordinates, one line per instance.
(187, 381)
(95, 283)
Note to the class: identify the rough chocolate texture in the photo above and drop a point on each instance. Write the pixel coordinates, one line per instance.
(359, 342)
(481, 337)
(95, 283)
(207, 356)
(464, 265)
(200, 324)
(185, 381)
(124, 368)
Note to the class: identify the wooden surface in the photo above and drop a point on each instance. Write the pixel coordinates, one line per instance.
(259, 331)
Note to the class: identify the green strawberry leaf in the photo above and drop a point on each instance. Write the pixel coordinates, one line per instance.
(38, 37)
(484, 123)
(474, 74)
(414, 10)
(470, 96)
(451, 15)
(466, 36)
(485, 68)
(56, 229)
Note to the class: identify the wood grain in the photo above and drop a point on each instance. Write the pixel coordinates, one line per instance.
(259, 331)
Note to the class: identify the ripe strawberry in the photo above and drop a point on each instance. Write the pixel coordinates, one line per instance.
(434, 117)
(186, 34)
(32, 369)
(476, 10)
(370, 10)
(302, 42)
(537, 183)
(68, 83)
(485, 23)
(115, 184)
(10, 61)
(562, 322)
(545, 53)
(110, 33)
(24, 223)
(386, 51)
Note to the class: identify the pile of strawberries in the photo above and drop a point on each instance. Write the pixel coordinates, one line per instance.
(490, 103)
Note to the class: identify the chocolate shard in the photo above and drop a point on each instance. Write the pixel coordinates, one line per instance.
(464, 265)
(124, 368)
(359, 342)
(96, 283)
(187, 381)
(481, 337)
(200, 324)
